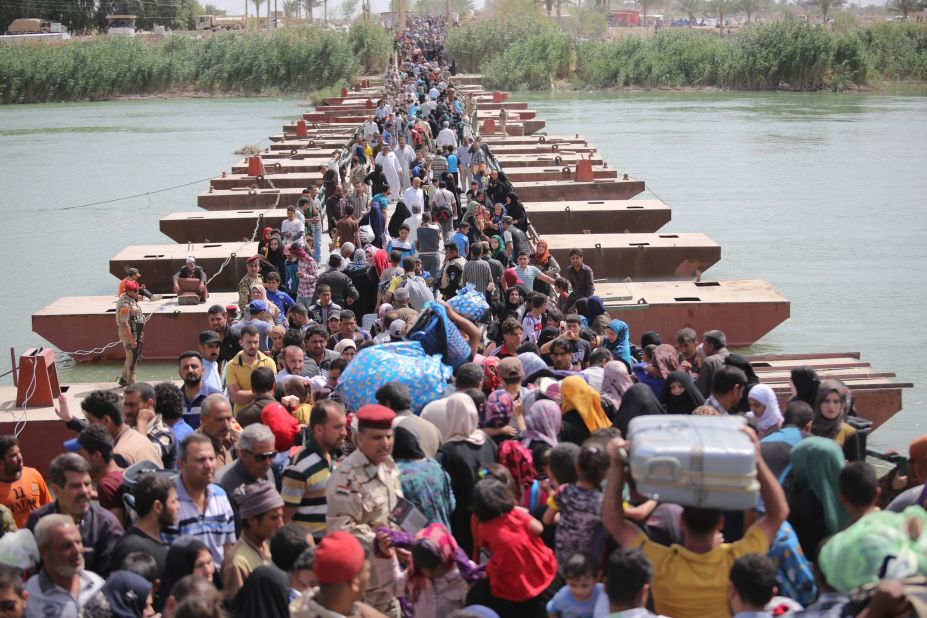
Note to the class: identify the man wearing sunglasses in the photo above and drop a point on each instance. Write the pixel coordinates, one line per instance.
(255, 456)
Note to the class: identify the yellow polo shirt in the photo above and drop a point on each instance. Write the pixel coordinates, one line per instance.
(690, 585)
(239, 373)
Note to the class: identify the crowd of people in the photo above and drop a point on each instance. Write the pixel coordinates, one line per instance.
(256, 489)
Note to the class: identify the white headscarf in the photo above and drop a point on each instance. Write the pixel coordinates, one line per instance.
(772, 417)
(461, 421)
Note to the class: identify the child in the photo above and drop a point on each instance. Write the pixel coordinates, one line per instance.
(297, 399)
(521, 566)
(578, 598)
(579, 505)
(435, 584)
(274, 294)
(402, 244)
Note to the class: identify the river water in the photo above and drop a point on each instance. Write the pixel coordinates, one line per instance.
(821, 194)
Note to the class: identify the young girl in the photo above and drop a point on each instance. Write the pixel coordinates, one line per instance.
(297, 399)
(436, 582)
(579, 505)
(521, 566)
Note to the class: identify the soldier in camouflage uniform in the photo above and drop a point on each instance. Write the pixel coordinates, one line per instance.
(129, 320)
(363, 491)
(253, 277)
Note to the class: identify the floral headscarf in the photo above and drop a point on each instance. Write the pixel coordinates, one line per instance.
(498, 409)
(542, 422)
(491, 379)
(542, 255)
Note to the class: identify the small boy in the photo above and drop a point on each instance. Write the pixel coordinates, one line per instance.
(277, 296)
(533, 321)
(582, 591)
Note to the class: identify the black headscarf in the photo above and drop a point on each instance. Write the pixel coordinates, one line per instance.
(263, 594)
(806, 383)
(406, 445)
(651, 337)
(685, 403)
(181, 558)
(516, 210)
(127, 594)
(400, 214)
(638, 400)
(736, 360)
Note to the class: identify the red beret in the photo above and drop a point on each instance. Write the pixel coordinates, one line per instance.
(281, 423)
(339, 558)
(253, 260)
(131, 285)
(375, 416)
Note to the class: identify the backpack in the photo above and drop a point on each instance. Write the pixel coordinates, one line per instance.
(442, 212)
(419, 293)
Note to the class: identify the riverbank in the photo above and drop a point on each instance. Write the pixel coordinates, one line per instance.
(287, 61)
(535, 54)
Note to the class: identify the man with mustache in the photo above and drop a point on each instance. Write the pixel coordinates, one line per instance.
(98, 528)
(63, 585)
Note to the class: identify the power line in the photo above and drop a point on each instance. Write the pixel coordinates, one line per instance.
(127, 197)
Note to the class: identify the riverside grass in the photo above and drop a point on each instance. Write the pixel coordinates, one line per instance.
(532, 53)
(289, 60)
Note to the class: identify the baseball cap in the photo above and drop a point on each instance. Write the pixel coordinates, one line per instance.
(257, 306)
(510, 368)
(209, 336)
(89, 442)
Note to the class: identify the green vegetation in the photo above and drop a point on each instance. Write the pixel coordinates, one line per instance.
(287, 60)
(84, 16)
(372, 46)
(532, 52)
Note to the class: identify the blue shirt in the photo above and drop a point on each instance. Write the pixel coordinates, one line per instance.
(452, 161)
(565, 606)
(215, 527)
(283, 301)
(181, 429)
(462, 242)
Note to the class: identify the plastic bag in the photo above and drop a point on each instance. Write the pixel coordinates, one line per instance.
(403, 361)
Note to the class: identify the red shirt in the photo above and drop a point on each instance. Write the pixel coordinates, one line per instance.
(521, 566)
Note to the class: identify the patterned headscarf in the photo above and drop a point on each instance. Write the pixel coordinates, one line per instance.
(542, 421)
(520, 462)
(665, 360)
(616, 381)
(542, 255)
(498, 409)
(436, 539)
(491, 379)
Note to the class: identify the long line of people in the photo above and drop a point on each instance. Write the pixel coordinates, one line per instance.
(261, 486)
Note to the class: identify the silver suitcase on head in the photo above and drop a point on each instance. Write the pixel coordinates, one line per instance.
(702, 461)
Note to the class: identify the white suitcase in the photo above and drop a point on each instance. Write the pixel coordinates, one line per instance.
(702, 461)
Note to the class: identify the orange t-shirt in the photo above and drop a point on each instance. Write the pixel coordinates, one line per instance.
(25, 495)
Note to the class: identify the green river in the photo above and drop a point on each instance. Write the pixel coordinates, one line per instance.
(824, 195)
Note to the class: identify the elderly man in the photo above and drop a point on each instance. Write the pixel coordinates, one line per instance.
(191, 271)
(414, 195)
(260, 508)
(216, 425)
(714, 347)
(255, 456)
(205, 511)
(343, 573)
(406, 155)
(364, 489)
(62, 587)
(446, 137)
(99, 530)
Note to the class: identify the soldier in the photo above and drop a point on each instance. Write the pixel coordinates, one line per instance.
(363, 491)
(129, 322)
(254, 276)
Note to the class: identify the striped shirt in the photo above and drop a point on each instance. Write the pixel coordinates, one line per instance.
(215, 527)
(478, 273)
(304, 482)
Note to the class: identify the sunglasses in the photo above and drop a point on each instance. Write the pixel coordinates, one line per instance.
(263, 456)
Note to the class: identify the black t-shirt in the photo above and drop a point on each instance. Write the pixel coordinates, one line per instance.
(135, 540)
(580, 350)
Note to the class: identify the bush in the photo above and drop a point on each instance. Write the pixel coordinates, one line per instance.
(287, 60)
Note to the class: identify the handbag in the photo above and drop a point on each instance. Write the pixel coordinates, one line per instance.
(438, 335)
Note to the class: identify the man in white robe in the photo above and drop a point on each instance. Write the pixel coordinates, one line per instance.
(391, 168)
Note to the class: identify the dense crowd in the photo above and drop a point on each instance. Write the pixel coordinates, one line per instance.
(437, 422)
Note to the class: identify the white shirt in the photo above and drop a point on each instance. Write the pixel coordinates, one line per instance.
(414, 222)
(370, 129)
(414, 196)
(293, 231)
(446, 137)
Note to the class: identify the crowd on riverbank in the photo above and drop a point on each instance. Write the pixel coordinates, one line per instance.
(315, 465)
